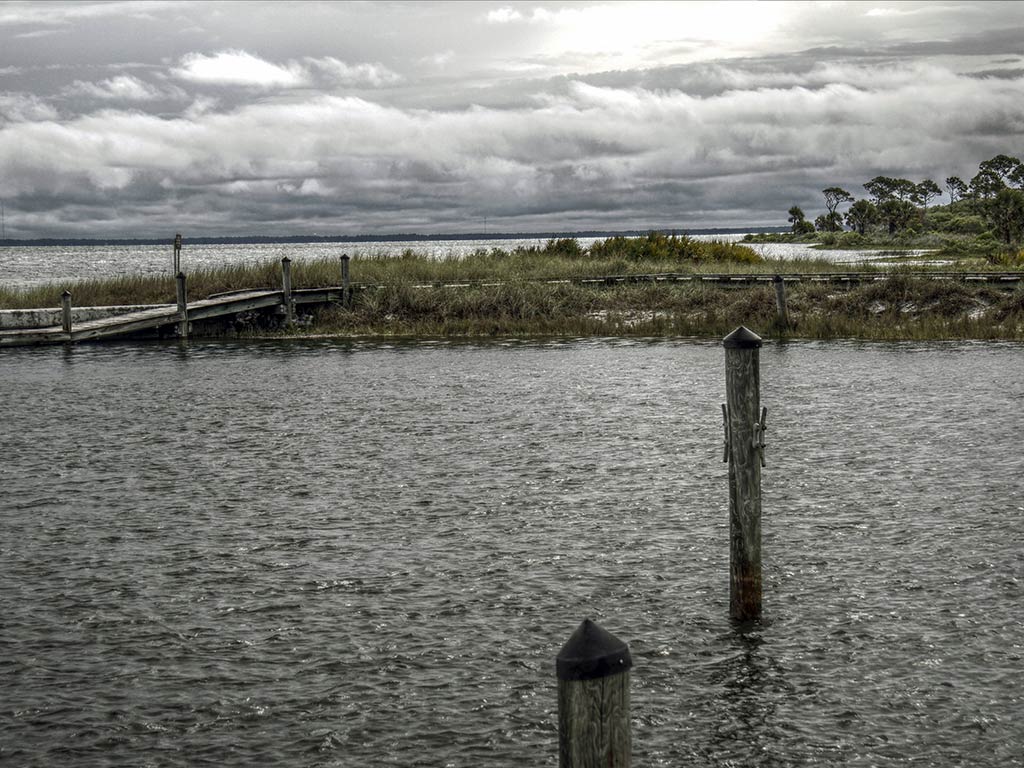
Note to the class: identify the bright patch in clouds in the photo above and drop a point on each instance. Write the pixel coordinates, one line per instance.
(239, 68)
(718, 21)
(374, 75)
(504, 16)
(120, 88)
(24, 107)
(882, 12)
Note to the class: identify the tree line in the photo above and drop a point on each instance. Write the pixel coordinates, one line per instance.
(995, 193)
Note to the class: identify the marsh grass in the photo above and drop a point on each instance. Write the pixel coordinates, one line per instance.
(502, 293)
(902, 308)
(559, 259)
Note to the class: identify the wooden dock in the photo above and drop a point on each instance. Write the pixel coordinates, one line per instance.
(165, 315)
(1010, 279)
(285, 300)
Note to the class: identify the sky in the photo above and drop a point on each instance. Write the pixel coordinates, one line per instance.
(139, 119)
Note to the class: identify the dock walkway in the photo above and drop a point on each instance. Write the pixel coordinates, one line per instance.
(164, 315)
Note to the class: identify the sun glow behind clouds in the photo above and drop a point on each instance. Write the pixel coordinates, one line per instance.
(635, 31)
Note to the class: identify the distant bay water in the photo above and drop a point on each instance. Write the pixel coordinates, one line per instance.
(29, 266)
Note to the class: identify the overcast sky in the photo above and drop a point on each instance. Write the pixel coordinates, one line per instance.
(139, 119)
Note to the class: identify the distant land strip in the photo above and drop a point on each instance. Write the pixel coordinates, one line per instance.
(388, 238)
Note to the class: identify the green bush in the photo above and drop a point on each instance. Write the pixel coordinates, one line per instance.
(851, 240)
(566, 247)
(659, 247)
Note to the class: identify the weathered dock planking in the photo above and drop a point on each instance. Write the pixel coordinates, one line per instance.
(1006, 279)
(165, 315)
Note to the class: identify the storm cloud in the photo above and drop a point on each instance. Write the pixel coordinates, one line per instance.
(393, 118)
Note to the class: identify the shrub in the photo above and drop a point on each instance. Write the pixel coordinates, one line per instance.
(670, 248)
(851, 240)
(567, 247)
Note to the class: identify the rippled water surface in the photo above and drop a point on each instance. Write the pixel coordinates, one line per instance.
(355, 554)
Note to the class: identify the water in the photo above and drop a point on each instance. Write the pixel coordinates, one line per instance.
(847, 257)
(354, 553)
(24, 267)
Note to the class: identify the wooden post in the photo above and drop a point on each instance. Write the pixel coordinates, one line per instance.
(286, 286)
(593, 700)
(182, 305)
(782, 314)
(346, 290)
(65, 311)
(177, 254)
(745, 453)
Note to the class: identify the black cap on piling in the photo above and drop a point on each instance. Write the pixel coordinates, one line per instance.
(591, 653)
(742, 338)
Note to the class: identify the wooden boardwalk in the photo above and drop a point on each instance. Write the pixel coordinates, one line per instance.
(724, 278)
(231, 304)
(164, 315)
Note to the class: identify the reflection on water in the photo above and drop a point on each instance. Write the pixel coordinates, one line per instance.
(353, 553)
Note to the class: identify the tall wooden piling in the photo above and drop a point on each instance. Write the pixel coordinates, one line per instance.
(346, 288)
(745, 454)
(781, 311)
(182, 305)
(286, 288)
(177, 254)
(593, 700)
(65, 311)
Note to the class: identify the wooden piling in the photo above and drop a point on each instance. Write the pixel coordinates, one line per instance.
(781, 312)
(286, 287)
(182, 305)
(65, 311)
(346, 289)
(593, 700)
(745, 435)
(177, 254)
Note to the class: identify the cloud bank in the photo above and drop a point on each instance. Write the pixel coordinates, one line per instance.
(233, 140)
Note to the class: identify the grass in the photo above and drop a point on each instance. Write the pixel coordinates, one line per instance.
(403, 295)
(903, 307)
(558, 260)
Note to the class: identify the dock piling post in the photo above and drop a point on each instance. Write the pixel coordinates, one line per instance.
(182, 305)
(593, 700)
(286, 287)
(177, 254)
(782, 313)
(346, 289)
(65, 311)
(745, 427)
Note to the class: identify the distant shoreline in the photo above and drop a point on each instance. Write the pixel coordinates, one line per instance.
(387, 238)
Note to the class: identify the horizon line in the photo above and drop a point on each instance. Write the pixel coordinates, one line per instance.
(387, 237)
